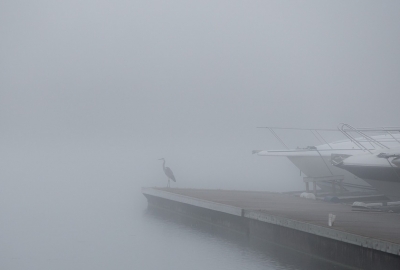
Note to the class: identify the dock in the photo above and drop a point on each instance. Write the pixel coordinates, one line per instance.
(358, 240)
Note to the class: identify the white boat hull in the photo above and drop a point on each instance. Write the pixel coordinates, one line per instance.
(316, 167)
(316, 161)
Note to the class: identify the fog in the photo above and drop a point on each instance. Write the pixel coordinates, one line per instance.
(93, 93)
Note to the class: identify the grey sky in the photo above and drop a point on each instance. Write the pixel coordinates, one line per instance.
(191, 80)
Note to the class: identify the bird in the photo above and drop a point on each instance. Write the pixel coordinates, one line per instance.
(168, 172)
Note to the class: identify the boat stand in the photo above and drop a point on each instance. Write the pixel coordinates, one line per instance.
(334, 179)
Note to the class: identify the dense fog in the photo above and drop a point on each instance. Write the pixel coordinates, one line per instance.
(93, 93)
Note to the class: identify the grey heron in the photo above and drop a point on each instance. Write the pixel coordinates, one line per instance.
(168, 172)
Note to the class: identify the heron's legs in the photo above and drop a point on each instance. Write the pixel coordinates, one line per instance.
(168, 185)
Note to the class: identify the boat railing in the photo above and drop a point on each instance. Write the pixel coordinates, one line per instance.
(362, 141)
(347, 129)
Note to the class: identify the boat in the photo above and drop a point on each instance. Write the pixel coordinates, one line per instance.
(315, 161)
(380, 169)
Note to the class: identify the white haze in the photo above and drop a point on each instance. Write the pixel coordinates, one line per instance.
(92, 93)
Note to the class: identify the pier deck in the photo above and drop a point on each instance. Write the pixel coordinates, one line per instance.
(379, 225)
(363, 240)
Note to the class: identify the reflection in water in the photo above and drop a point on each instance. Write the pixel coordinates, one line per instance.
(242, 252)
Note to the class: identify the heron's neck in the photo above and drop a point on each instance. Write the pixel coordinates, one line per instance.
(163, 165)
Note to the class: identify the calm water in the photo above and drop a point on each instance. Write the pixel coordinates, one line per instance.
(110, 227)
(86, 211)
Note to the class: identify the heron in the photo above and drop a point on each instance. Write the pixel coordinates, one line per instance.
(168, 172)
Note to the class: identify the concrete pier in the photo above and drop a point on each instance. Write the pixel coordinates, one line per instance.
(357, 239)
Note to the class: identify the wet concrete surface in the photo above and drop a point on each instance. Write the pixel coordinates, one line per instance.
(377, 225)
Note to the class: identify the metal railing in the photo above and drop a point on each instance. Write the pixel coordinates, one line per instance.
(346, 130)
